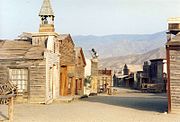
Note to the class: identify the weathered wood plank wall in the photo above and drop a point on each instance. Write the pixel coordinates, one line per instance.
(36, 81)
(175, 80)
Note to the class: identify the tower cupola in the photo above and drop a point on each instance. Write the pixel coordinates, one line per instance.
(46, 15)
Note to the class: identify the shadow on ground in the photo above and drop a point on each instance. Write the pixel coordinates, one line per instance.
(153, 103)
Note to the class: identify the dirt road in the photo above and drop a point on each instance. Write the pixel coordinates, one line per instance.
(127, 106)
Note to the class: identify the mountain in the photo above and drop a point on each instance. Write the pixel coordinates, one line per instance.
(134, 62)
(121, 44)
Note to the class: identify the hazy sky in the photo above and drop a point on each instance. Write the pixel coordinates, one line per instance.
(87, 17)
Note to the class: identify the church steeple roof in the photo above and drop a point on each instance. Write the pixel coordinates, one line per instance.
(46, 9)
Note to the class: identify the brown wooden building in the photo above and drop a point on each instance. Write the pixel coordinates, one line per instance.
(67, 75)
(80, 70)
(41, 64)
(32, 67)
(104, 80)
(173, 61)
(64, 45)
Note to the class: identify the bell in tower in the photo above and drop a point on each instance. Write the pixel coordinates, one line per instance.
(47, 17)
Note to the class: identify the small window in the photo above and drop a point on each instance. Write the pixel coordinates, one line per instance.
(20, 78)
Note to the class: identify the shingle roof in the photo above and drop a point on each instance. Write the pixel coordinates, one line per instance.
(20, 50)
(46, 9)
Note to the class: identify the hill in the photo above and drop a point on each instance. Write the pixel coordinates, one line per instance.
(134, 62)
(121, 44)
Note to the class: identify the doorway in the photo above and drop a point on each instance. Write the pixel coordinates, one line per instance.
(63, 81)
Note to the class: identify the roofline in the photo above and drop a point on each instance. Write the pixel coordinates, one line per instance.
(82, 53)
(159, 59)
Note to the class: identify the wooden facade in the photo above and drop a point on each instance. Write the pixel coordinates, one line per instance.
(173, 61)
(63, 45)
(67, 63)
(80, 70)
(32, 67)
(104, 80)
(33, 62)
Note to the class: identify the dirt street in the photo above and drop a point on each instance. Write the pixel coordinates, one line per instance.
(127, 106)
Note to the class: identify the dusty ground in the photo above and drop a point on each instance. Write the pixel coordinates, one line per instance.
(128, 106)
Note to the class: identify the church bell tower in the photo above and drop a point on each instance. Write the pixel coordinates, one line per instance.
(46, 15)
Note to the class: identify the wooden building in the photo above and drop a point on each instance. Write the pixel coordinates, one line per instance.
(94, 75)
(119, 77)
(67, 75)
(32, 62)
(173, 61)
(63, 44)
(80, 70)
(32, 67)
(41, 64)
(156, 71)
(153, 76)
(104, 80)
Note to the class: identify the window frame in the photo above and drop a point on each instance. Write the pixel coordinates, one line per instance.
(24, 86)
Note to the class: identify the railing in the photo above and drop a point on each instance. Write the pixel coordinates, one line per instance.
(7, 94)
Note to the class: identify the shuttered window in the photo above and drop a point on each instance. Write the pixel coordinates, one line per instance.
(20, 78)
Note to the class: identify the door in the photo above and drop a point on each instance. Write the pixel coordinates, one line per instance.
(76, 89)
(63, 80)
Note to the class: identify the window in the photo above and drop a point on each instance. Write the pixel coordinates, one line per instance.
(20, 78)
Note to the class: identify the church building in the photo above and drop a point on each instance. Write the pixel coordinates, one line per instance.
(41, 64)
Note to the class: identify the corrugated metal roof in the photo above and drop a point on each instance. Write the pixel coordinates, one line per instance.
(46, 9)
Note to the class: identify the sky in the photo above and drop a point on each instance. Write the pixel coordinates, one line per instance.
(89, 17)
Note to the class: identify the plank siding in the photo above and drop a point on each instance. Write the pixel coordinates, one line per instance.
(175, 80)
(80, 69)
(65, 46)
(36, 84)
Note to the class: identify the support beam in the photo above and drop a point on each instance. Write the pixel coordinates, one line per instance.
(11, 109)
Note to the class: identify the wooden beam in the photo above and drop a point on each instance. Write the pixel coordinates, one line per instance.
(11, 109)
(168, 79)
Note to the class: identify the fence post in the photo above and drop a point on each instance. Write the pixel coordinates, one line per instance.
(11, 109)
